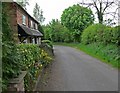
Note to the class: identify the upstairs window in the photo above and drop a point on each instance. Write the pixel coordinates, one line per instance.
(31, 24)
(24, 20)
(36, 26)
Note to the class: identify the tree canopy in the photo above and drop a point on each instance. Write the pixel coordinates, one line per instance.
(76, 18)
(56, 32)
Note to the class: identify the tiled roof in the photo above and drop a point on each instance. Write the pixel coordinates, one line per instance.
(28, 31)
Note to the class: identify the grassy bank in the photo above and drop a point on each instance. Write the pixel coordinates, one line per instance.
(106, 53)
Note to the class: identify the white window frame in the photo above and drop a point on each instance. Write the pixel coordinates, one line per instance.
(25, 41)
(24, 19)
(36, 26)
(39, 40)
(33, 40)
(31, 22)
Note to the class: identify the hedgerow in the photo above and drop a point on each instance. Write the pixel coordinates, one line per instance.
(33, 59)
(101, 33)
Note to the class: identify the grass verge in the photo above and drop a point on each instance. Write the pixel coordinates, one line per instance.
(106, 53)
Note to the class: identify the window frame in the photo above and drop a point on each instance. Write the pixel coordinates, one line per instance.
(24, 19)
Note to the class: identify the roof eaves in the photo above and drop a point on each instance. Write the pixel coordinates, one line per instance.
(26, 12)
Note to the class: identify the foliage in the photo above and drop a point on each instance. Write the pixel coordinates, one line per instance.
(10, 56)
(23, 3)
(30, 60)
(76, 18)
(33, 59)
(45, 58)
(56, 32)
(48, 42)
(106, 53)
(30, 54)
(16, 58)
(38, 13)
(101, 33)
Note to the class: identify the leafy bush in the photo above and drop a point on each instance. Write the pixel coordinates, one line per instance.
(10, 56)
(48, 42)
(56, 32)
(109, 53)
(45, 58)
(100, 33)
(30, 54)
(33, 59)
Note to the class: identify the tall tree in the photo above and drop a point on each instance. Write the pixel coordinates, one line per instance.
(77, 18)
(101, 7)
(23, 3)
(38, 13)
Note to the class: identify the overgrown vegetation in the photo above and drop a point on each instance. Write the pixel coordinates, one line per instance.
(101, 33)
(104, 42)
(33, 60)
(10, 56)
(56, 32)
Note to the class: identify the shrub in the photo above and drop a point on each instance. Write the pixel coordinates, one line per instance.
(100, 33)
(33, 59)
(109, 53)
(30, 54)
(48, 42)
(10, 56)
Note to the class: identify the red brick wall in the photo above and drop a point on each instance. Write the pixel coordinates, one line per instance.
(10, 10)
(20, 13)
(19, 17)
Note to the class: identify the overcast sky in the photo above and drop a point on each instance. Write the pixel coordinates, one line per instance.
(52, 9)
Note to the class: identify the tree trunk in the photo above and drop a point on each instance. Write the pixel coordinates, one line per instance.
(100, 17)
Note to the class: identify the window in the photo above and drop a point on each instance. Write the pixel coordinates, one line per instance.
(36, 26)
(33, 40)
(24, 19)
(31, 24)
(25, 41)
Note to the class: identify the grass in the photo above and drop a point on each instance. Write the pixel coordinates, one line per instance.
(106, 53)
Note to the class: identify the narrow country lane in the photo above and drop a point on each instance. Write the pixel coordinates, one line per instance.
(74, 70)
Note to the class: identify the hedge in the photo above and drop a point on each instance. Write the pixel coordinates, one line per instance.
(33, 59)
(101, 33)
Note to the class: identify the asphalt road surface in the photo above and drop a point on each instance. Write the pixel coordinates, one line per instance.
(74, 70)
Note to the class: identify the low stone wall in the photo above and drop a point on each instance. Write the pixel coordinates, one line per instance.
(17, 84)
(49, 50)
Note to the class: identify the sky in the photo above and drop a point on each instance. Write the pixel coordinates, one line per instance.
(53, 9)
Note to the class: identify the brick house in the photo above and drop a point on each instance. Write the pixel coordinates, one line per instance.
(24, 26)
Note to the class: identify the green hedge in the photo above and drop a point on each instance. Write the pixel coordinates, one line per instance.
(30, 54)
(33, 59)
(108, 53)
(101, 33)
(10, 56)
